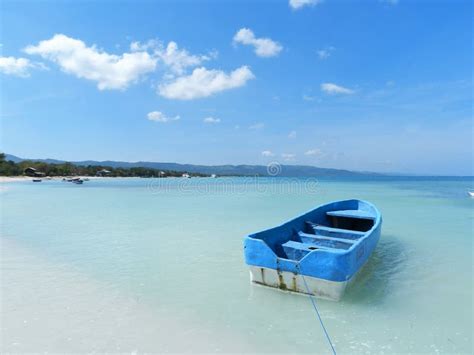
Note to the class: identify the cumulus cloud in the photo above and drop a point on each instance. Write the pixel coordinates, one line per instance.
(174, 58)
(257, 126)
(298, 4)
(333, 89)
(264, 47)
(325, 53)
(180, 59)
(314, 152)
(15, 66)
(158, 116)
(119, 71)
(203, 83)
(288, 156)
(211, 120)
(18, 66)
(292, 135)
(151, 44)
(110, 71)
(268, 153)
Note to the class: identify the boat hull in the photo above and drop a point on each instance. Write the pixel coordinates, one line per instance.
(285, 256)
(291, 282)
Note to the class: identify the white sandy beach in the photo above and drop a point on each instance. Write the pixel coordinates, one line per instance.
(7, 179)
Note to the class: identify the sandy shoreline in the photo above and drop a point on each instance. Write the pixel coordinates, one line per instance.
(7, 179)
(4, 179)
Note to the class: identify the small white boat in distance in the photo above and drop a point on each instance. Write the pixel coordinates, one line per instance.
(471, 193)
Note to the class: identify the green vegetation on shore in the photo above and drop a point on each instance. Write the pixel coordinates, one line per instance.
(10, 168)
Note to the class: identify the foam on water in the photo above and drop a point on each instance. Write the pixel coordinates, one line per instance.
(146, 265)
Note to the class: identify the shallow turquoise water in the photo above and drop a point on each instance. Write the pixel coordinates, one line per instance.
(157, 266)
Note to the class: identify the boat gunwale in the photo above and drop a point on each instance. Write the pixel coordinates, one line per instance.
(377, 221)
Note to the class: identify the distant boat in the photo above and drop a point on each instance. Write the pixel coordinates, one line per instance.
(471, 193)
(186, 176)
(78, 181)
(36, 180)
(319, 252)
(213, 176)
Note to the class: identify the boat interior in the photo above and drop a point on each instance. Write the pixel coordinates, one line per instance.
(333, 230)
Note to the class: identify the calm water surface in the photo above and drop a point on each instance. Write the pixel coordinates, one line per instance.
(156, 266)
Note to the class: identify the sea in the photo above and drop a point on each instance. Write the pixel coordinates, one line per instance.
(132, 265)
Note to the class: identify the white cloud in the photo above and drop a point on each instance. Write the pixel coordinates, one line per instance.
(179, 59)
(288, 156)
(268, 153)
(264, 47)
(110, 71)
(325, 53)
(331, 88)
(257, 126)
(119, 71)
(203, 83)
(158, 116)
(211, 120)
(292, 135)
(308, 98)
(174, 58)
(314, 152)
(151, 44)
(15, 66)
(298, 4)
(18, 66)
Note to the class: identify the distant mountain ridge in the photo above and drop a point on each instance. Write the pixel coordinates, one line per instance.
(246, 170)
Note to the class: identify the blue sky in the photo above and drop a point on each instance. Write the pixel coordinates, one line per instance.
(363, 85)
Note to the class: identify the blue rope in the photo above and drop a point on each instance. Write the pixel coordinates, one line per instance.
(319, 316)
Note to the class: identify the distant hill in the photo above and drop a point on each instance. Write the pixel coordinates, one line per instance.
(229, 170)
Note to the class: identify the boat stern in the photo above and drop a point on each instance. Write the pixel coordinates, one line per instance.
(293, 282)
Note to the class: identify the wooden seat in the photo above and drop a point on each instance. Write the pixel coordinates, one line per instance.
(295, 250)
(312, 238)
(352, 214)
(326, 242)
(336, 232)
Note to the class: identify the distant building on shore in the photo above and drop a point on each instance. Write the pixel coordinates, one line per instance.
(102, 172)
(33, 172)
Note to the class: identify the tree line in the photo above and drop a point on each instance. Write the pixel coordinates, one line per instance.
(10, 168)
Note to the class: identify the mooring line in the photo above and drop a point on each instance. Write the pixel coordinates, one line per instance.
(319, 316)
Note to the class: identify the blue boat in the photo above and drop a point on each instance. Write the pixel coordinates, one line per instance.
(317, 253)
